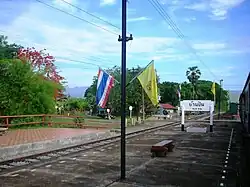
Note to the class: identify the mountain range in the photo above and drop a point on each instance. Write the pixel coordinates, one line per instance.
(79, 92)
(76, 91)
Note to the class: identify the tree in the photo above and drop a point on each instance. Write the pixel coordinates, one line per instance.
(133, 90)
(42, 63)
(23, 91)
(193, 74)
(7, 51)
(168, 92)
(76, 104)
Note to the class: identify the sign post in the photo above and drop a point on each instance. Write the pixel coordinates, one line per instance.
(108, 111)
(130, 111)
(211, 116)
(182, 118)
(195, 106)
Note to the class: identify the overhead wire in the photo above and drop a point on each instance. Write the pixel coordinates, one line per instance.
(85, 11)
(173, 25)
(98, 26)
(77, 17)
(81, 62)
(105, 21)
(90, 58)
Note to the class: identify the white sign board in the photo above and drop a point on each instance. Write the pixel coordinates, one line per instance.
(130, 108)
(197, 105)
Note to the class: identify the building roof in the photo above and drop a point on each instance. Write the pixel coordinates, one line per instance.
(167, 106)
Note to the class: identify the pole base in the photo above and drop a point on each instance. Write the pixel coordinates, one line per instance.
(211, 128)
(182, 127)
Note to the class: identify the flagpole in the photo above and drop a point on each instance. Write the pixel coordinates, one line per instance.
(139, 73)
(179, 95)
(214, 93)
(110, 75)
(143, 104)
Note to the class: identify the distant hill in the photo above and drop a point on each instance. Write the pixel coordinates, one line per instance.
(234, 96)
(79, 92)
(76, 91)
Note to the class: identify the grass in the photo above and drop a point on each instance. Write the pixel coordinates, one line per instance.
(88, 120)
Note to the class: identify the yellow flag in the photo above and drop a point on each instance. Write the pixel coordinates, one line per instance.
(213, 88)
(148, 81)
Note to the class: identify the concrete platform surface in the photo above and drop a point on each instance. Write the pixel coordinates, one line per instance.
(18, 143)
(196, 129)
(197, 160)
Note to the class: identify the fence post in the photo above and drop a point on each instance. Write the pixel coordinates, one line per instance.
(49, 123)
(7, 122)
(44, 119)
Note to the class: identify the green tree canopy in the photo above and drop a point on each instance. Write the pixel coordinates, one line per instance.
(78, 104)
(23, 91)
(203, 91)
(133, 91)
(193, 74)
(7, 51)
(167, 91)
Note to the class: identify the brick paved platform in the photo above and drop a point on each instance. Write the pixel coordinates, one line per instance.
(23, 136)
(24, 142)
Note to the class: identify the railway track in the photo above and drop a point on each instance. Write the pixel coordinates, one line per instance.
(46, 157)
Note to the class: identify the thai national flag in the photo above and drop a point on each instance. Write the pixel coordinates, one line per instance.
(105, 82)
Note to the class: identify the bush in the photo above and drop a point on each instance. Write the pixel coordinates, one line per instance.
(23, 91)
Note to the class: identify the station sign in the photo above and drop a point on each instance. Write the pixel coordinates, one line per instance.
(197, 105)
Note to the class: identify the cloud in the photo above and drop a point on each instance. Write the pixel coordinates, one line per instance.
(218, 9)
(190, 19)
(78, 76)
(222, 72)
(202, 6)
(218, 73)
(107, 2)
(209, 46)
(81, 40)
(65, 4)
(77, 40)
(66, 37)
(142, 18)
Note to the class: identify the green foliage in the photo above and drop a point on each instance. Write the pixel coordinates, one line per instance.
(203, 90)
(133, 91)
(77, 104)
(193, 74)
(167, 90)
(90, 94)
(168, 93)
(79, 120)
(24, 92)
(7, 51)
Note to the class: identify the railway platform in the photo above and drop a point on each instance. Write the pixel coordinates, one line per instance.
(24, 142)
(199, 159)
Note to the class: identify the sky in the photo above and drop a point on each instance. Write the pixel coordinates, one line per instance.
(216, 35)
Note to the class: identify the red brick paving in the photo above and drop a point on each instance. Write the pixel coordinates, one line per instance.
(22, 136)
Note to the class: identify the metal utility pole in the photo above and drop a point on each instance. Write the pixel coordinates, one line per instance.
(220, 98)
(143, 104)
(123, 39)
